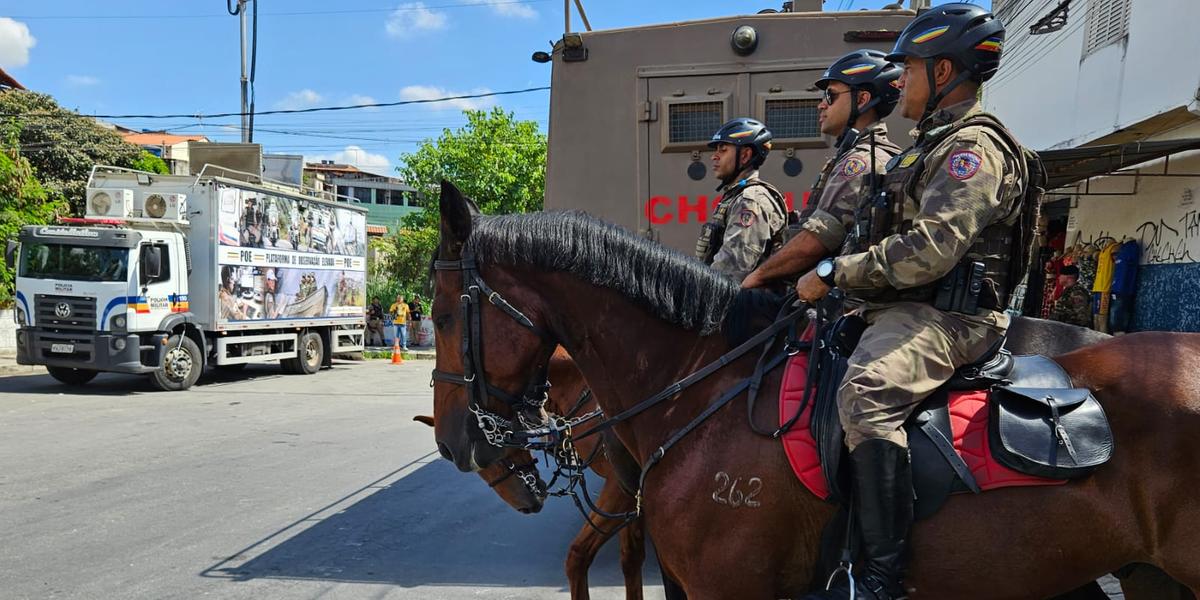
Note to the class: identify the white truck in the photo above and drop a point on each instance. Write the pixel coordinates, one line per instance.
(168, 274)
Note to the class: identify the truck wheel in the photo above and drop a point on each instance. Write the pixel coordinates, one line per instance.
(181, 365)
(312, 353)
(71, 376)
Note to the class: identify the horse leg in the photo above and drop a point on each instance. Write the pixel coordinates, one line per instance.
(633, 554)
(588, 541)
(1147, 582)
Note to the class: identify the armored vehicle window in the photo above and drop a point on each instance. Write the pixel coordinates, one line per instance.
(792, 118)
(694, 121)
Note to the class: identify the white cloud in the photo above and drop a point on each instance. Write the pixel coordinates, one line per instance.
(82, 80)
(429, 92)
(412, 17)
(509, 8)
(305, 98)
(359, 99)
(15, 42)
(355, 155)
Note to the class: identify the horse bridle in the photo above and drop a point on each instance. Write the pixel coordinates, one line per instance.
(497, 430)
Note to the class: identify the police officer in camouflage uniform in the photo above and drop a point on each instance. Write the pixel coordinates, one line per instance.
(859, 91)
(1074, 306)
(933, 283)
(752, 213)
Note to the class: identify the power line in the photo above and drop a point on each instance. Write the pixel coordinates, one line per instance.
(276, 14)
(291, 111)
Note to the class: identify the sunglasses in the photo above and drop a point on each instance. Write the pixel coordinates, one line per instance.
(831, 96)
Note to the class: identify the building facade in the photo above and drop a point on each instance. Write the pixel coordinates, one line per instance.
(387, 199)
(1116, 76)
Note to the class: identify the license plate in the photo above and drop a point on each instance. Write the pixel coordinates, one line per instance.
(62, 348)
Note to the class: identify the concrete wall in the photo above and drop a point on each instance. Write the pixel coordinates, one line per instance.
(8, 331)
(1053, 96)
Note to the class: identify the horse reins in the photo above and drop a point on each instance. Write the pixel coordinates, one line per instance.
(500, 431)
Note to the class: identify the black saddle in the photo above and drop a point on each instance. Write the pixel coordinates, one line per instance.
(1038, 423)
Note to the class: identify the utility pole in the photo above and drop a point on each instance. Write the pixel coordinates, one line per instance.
(245, 80)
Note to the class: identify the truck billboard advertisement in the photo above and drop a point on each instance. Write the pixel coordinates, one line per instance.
(284, 258)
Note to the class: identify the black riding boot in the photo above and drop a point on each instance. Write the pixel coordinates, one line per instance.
(883, 508)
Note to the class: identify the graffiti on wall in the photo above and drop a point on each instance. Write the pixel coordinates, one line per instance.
(1164, 243)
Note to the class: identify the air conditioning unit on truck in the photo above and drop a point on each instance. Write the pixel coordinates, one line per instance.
(632, 110)
(168, 274)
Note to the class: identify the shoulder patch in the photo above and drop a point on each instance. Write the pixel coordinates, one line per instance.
(746, 217)
(963, 164)
(853, 166)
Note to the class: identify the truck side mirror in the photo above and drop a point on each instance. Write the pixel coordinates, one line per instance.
(10, 254)
(151, 263)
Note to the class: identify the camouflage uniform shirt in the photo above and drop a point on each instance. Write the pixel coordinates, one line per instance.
(843, 186)
(1074, 306)
(751, 220)
(969, 179)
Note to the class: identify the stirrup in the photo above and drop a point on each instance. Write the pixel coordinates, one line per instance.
(846, 567)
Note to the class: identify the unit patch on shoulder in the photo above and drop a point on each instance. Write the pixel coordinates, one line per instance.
(964, 164)
(746, 217)
(908, 160)
(853, 166)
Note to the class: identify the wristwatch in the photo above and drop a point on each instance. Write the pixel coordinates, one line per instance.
(825, 272)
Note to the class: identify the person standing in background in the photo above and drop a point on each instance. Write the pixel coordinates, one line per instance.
(414, 318)
(1074, 305)
(399, 310)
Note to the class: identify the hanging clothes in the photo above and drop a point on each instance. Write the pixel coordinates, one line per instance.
(1124, 286)
(1102, 284)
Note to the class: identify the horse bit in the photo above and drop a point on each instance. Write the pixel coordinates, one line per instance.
(538, 429)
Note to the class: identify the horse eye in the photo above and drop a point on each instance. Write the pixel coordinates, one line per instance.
(440, 322)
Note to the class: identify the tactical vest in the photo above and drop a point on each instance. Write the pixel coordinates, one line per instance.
(712, 233)
(1003, 247)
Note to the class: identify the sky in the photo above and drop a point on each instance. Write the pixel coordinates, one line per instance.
(182, 57)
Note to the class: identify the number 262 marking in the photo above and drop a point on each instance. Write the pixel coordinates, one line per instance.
(728, 493)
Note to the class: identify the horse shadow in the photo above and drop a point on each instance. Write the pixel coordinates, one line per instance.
(433, 527)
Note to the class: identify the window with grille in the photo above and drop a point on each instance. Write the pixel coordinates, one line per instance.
(694, 121)
(792, 118)
(1107, 23)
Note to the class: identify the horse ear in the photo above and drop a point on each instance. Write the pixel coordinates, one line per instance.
(424, 419)
(456, 214)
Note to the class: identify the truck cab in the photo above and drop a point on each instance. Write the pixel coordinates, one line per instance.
(93, 298)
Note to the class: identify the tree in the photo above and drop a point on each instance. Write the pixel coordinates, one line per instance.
(496, 160)
(62, 145)
(23, 200)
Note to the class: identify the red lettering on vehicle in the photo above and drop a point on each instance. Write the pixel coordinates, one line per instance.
(653, 215)
(699, 207)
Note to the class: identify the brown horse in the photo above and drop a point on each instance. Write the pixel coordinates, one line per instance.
(592, 288)
(515, 479)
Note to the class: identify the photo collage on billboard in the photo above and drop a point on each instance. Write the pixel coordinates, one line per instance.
(259, 220)
(250, 293)
(265, 232)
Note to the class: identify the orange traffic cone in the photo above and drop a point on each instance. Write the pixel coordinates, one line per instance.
(396, 358)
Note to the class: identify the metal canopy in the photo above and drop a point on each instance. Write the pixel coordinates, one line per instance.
(1072, 165)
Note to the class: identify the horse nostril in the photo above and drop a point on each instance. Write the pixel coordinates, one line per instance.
(444, 450)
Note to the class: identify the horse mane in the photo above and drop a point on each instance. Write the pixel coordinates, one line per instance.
(674, 287)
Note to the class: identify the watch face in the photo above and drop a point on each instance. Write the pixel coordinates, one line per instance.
(825, 269)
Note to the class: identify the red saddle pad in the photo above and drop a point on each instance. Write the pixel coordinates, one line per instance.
(968, 419)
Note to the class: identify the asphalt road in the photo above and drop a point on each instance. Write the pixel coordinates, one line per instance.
(260, 485)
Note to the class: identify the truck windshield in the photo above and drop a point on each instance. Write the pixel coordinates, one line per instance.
(77, 263)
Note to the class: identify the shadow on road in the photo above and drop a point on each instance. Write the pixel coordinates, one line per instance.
(120, 384)
(432, 527)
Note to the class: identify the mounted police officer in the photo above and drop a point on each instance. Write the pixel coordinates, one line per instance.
(932, 281)
(859, 91)
(752, 213)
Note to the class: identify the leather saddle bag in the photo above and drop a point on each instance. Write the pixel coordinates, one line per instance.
(1052, 433)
